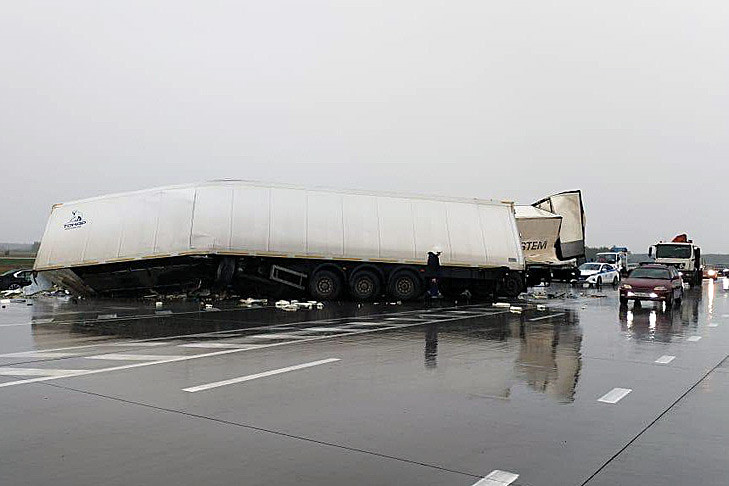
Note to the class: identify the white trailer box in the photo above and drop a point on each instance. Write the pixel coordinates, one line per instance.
(244, 219)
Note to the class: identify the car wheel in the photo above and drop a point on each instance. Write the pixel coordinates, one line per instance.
(677, 300)
(615, 282)
(669, 302)
(623, 302)
(599, 283)
(13, 286)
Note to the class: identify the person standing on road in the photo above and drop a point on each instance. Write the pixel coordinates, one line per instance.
(434, 272)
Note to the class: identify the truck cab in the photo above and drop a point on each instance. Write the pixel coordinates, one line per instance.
(683, 255)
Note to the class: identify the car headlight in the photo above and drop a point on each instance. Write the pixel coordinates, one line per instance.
(660, 288)
(653, 295)
(627, 286)
(711, 273)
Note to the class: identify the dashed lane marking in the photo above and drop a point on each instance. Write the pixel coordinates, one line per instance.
(665, 359)
(693, 339)
(614, 395)
(547, 317)
(37, 354)
(132, 357)
(215, 345)
(10, 371)
(140, 344)
(242, 379)
(497, 478)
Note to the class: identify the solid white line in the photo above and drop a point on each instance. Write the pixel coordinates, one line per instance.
(17, 325)
(214, 345)
(215, 353)
(665, 359)
(131, 357)
(614, 395)
(327, 329)
(497, 478)
(274, 336)
(693, 339)
(713, 324)
(547, 317)
(241, 379)
(36, 354)
(10, 371)
(140, 344)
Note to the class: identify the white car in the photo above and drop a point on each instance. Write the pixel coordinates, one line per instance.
(599, 274)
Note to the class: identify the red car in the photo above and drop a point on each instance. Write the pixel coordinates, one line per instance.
(652, 282)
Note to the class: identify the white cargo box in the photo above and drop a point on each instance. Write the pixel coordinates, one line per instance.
(249, 218)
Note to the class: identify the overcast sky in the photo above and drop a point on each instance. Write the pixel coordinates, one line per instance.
(626, 100)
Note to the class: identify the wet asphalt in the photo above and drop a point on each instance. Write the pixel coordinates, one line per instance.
(582, 392)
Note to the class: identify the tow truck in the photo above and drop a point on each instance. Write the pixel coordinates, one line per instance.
(682, 254)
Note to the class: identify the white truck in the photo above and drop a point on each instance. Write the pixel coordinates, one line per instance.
(617, 256)
(552, 233)
(682, 254)
(265, 238)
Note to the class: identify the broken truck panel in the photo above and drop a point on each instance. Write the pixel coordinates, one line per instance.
(221, 232)
(572, 232)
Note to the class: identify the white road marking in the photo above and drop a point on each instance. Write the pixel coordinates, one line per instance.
(546, 317)
(274, 336)
(693, 339)
(132, 357)
(497, 478)
(37, 354)
(16, 325)
(214, 345)
(665, 359)
(215, 353)
(713, 324)
(106, 316)
(327, 329)
(242, 379)
(10, 371)
(140, 344)
(614, 395)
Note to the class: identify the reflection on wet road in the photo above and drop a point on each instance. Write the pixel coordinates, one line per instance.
(373, 394)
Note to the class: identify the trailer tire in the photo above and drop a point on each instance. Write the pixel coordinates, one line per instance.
(365, 285)
(404, 285)
(325, 285)
(512, 285)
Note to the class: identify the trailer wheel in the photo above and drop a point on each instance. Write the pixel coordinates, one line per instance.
(325, 285)
(512, 285)
(364, 285)
(404, 285)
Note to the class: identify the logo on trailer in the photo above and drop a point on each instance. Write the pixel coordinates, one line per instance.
(77, 220)
(534, 245)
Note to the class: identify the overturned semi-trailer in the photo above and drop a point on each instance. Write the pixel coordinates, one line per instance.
(267, 238)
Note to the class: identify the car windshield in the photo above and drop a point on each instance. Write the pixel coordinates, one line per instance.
(590, 266)
(658, 273)
(673, 251)
(606, 258)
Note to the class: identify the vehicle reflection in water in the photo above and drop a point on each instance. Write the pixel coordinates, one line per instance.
(546, 355)
(653, 322)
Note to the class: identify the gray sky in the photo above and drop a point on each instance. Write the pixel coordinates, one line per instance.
(626, 100)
